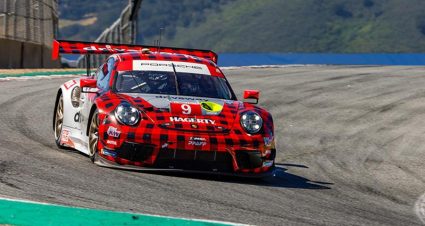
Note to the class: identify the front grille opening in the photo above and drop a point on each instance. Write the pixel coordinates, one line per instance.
(249, 159)
(135, 152)
(195, 160)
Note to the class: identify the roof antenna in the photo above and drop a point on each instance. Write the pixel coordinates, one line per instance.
(160, 37)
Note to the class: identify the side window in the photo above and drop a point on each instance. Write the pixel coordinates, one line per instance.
(99, 73)
(103, 74)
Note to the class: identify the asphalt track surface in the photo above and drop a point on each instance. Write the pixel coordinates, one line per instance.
(350, 139)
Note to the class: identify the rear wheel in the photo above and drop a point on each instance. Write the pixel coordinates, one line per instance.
(59, 121)
(93, 135)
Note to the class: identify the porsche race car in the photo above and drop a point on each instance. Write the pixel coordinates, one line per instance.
(150, 108)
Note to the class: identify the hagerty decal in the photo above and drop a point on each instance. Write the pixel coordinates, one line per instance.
(193, 120)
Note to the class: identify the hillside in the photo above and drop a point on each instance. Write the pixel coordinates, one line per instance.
(263, 25)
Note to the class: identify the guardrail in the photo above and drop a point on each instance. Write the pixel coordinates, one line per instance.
(123, 31)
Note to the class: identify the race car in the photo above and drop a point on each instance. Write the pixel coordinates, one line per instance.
(161, 108)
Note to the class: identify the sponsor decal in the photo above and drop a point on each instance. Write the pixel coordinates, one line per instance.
(180, 98)
(65, 136)
(193, 120)
(113, 132)
(69, 84)
(211, 106)
(268, 163)
(268, 141)
(197, 141)
(176, 65)
(110, 49)
(184, 67)
(66, 139)
(112, 142)
(90, 90)
(109, 152)
(77, 117)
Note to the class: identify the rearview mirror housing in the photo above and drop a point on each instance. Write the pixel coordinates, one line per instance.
(251, 95)
(88, 85)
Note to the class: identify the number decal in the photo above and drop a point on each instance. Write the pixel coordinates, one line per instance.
(186, 109)
(69, 84)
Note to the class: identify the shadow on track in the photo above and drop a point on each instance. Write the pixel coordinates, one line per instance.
(281, 179)
(288, 180)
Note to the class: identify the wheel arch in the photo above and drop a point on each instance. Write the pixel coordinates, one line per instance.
(92, 110)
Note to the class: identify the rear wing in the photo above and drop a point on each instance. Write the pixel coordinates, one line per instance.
(87, 48)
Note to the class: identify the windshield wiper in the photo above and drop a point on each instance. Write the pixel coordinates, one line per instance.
(138, 85)
(175, 77)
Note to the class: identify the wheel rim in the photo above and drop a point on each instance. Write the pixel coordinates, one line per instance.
(59, 118)
(93, 134)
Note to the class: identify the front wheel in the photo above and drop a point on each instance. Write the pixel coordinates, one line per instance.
(93, 135)
(59, 122)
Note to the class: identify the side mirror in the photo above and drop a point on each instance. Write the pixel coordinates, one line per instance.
(251, 94)
(88, 85)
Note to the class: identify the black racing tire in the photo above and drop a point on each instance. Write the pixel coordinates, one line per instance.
(58, 121)
(93, 135)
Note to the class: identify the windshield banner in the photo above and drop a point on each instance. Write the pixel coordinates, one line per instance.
(167, 66)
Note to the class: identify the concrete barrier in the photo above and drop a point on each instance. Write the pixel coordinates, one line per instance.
(16, 54)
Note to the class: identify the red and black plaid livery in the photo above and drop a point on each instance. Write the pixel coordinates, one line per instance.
(157, 132)
(158, 141)
(73, 47)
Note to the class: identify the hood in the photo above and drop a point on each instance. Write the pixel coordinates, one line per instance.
(186, 112)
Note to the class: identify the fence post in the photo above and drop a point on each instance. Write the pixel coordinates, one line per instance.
(6, 18)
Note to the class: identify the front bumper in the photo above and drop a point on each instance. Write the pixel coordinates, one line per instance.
(104, 162)
(135, 156)
(148, 146)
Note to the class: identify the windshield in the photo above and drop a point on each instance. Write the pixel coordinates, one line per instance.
(160, 82)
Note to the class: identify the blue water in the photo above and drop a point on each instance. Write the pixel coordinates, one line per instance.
(250, 59)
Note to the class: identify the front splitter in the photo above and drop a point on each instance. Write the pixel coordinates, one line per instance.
(98, 160)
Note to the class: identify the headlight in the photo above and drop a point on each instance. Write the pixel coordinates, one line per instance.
(127, 114)
(251, 122)
(75, 96)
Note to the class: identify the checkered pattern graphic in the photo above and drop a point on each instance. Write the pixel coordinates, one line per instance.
(72, 47)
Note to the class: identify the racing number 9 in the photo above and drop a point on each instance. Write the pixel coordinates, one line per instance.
(186, 109)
